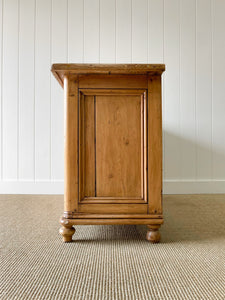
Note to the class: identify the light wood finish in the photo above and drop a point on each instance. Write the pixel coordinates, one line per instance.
(113, 208)
(117, 174)
(112, 221)
(153, 234)
(113, 146)
(110, 81)
(59, 70)
(71, 143)
(112, 216)
(105, 113)
(81, 186)
(109, 68)
(113, 200)
(154, 145)
(115, 92)
(66, 230)
(88, 147)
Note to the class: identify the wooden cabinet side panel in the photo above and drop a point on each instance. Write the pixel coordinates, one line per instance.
(154, 145)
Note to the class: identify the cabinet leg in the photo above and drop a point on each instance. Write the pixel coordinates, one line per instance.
(66, 230)
(153, 234)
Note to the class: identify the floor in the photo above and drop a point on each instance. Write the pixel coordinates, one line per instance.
(112, 262)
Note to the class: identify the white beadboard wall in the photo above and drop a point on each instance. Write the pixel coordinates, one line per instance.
(187, 35)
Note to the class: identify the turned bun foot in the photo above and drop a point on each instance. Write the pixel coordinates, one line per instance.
(66, 230)
(153, 234)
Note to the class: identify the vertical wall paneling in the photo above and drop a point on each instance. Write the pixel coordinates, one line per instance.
(155, 31)
(123, 31)
(1, 87)
(156, 46)
(172, 91)
(75, 31)
(187, 35)
(91, 31)
(139, 31)
(59, 53)
(10, 90)
(107, 31)
(26, 90)
(42, 90)
(204, 89)
(187, 89)
(218, 92)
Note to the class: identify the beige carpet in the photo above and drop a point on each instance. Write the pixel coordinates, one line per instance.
(112, 262)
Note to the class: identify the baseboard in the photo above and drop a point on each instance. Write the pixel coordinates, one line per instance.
(194, 187)
(169, 187)
(31, 187)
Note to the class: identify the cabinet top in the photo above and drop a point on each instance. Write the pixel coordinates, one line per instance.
(59, 70)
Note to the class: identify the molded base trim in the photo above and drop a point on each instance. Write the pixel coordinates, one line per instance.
(103, 221)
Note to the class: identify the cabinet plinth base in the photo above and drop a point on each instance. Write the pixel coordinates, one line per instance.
(152, 236)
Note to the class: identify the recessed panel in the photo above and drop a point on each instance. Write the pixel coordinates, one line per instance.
(119, 146)
(112, 146)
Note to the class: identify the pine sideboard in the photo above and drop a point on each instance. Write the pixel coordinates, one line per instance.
(112, 145)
